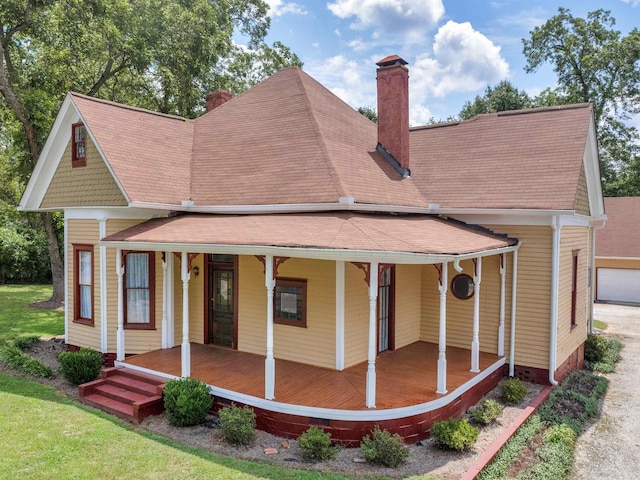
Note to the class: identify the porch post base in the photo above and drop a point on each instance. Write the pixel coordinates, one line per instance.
(371, 389)
(442, 376)
(185, 350)
(269, 378)
(475, 356)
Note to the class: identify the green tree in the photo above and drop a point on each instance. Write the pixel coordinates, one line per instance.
(369, 112)
(158, 54)
(503, 96)
(596, 63)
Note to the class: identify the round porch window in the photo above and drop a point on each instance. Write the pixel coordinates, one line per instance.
(462, 286)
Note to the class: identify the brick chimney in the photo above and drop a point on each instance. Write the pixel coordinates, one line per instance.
(393, 108)
(217, 98)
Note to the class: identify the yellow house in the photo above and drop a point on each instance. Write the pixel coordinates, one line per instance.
(324, 270)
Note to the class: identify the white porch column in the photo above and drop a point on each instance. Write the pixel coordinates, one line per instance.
(371, 357)
(120, 330)
(171, 321)
(442, 335)
(514, 290)
(269, 363)
(66, 279)
(339, 315)
(167, 288)
(503, 273)
(475, 342)
(185, 349)
(104, 332)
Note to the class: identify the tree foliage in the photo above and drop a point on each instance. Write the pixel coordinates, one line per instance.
(596, 63)
(164, 55)
(503, 96)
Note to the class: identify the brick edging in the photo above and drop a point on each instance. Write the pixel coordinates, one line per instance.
(489, 454)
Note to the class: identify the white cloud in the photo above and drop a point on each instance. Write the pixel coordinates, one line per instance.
(524, 19)
(633, 3)
(463, 60)
(358, 45)
(409, 19)
(279, 7)
(315, 45)
(337, 32)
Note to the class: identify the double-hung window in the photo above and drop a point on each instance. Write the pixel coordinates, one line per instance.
(83, 284)
(78, 145)
(139, 291)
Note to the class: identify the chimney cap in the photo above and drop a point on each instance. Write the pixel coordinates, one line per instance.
(391, 60)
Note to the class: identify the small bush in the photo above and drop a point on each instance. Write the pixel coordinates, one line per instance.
(82, 366)
(586, 383)
(562, 433)
(486, 411)
(454, 434)
(186, 401)
(13, 357)
(512, 391)
(595, 347)
(237, 424)
(606, 354)
(25, 342)
(383, 448)
(315, 444)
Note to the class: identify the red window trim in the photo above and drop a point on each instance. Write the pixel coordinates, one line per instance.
(298, 283)
(574, 286)
(152, 293)
(76, 284)
(75, 160)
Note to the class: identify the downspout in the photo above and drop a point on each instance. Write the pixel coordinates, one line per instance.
(555, 282)
(514, 296)
(593, 270)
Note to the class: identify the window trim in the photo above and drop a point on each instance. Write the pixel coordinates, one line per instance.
(75, 160)
(470, 282)
(152, 292)
(77, 248)
(574, 286)
(297, 283)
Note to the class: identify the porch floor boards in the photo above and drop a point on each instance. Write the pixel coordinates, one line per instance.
(405, 377)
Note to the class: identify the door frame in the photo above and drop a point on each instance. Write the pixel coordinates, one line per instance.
(391, 325)
(210, 265)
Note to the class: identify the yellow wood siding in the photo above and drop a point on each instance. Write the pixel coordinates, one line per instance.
(407, 304)
(313, 345)
(581, 203)
(84, 232)
(570, 338)
(90, 185)
(356, 315)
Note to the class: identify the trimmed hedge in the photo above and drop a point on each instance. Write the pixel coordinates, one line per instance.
(186, 401)
(454, 434)
(82, 366)
(512, 391)
(486, 411)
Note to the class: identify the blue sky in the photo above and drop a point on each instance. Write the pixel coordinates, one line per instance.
(455, 48)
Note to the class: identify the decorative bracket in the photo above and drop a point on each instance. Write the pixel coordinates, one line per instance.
(475, 267)
(190, 257)
(277, 261)
(366, 268)
(438, 267)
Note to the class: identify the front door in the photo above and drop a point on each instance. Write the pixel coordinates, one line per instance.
(222, 301)
(386, 300)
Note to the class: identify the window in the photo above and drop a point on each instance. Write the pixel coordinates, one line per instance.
(78, 146)
(574, 286)
(83, 284)
(139, 291)
(290, 299)
(462, 286)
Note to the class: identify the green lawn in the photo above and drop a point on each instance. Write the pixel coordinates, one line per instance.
(17, 318)
(45, 435)
(600, 324)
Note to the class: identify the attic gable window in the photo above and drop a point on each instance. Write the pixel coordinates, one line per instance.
(78, 144)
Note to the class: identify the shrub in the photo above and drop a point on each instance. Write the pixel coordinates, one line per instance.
(25, 342)
(512, 391)
(454, 434)
(383, 448)
(486, 411)
(607, 353)
(586, 383)
(82, 366)
(186, 401)
(595, 347)
(237, 424)
(562, 433)
(13, 357)
(315, 444)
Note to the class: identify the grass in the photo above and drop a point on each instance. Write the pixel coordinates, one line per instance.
(600, 324)
(18, 319)
(52, 436)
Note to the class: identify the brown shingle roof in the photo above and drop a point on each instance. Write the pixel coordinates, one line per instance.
(148, 152)
(385, 233)
(527, 159)
(620, 236)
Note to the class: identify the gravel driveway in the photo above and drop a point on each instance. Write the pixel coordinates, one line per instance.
(609, 448)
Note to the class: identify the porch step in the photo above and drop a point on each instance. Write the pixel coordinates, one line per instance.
(125, 393)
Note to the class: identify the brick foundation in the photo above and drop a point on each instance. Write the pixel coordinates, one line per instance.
(575, 361)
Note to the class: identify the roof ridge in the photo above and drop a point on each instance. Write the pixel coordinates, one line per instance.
(338, 183)
(128, 107)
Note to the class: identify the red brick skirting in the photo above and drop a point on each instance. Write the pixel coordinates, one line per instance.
(491, 452)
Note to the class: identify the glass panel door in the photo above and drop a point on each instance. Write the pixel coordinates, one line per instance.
(221, 305)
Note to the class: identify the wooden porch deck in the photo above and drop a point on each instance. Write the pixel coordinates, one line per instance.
(405, 377)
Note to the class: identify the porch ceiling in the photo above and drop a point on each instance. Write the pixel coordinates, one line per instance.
(415, 234)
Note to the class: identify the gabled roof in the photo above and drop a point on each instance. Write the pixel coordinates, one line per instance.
(621, 233)
(523, 159)
(290, 140)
